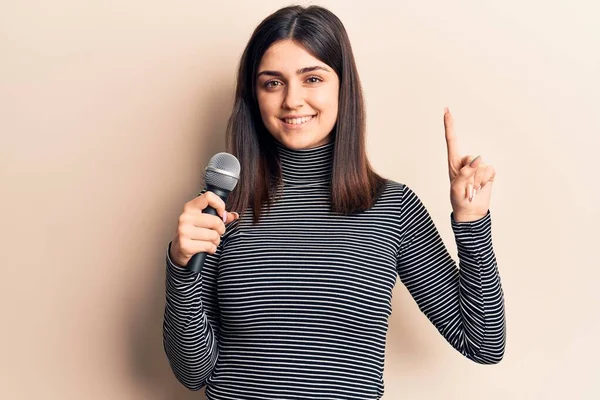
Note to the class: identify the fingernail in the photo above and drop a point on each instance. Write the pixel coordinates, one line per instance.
(474, 194)
(236, 215)
(470, 191)
(224, 216)
(475, 159)
(446, 109)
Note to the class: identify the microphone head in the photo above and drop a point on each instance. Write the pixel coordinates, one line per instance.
(223, 171)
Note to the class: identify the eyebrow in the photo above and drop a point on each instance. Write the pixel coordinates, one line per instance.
(298, 72)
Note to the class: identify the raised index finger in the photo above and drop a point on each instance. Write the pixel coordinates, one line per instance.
(451, 141)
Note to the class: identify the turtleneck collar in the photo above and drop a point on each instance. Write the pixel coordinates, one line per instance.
(306, 166)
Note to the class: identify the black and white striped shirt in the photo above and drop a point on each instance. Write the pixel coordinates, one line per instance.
(297, 306)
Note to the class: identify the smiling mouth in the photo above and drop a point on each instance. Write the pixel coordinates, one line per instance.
(298, 121)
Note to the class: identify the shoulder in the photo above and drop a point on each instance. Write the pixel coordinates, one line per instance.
(391, 198)
(393, 191)
(398, 195)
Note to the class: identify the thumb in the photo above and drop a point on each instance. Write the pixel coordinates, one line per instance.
(475, 162)
(230, 217)
(467, 172)
(470, 161)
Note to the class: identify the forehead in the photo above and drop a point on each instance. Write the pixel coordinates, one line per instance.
(287, 56)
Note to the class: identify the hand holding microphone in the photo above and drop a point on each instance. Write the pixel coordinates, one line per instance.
(201, 224)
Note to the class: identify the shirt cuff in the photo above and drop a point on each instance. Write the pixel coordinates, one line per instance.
(474, 239)
(469, 225)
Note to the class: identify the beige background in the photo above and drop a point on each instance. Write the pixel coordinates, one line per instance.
(111, 109)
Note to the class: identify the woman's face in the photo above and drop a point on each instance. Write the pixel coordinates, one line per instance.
(297, 96)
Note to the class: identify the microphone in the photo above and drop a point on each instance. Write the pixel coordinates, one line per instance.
(221, 175)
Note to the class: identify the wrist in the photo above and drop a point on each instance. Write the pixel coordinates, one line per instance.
(174, 252)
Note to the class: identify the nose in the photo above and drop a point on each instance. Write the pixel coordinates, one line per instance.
(294, 97)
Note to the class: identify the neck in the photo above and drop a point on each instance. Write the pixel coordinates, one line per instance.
(306, 166)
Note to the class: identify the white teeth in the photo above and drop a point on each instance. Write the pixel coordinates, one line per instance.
(298, 121)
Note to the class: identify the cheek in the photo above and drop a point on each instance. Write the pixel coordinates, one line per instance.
(326, 99)
(265, 107)
(327, 104)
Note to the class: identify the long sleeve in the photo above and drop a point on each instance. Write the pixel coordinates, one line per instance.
(465, 304)
(191, 321)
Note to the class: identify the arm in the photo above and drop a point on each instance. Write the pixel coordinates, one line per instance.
(465, 304)
(191, 321)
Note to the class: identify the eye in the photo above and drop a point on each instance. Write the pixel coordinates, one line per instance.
(314, 79)
(272, 84)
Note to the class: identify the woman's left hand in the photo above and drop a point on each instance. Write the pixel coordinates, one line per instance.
(470, 179)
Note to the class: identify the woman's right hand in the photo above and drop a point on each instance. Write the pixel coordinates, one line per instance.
(198, 232)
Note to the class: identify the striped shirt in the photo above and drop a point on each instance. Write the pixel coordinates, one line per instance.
(297, 306)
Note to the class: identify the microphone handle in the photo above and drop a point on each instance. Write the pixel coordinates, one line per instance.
(197, 261)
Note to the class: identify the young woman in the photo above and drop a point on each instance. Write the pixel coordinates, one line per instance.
(295, 294)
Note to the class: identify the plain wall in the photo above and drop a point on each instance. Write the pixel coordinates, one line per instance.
(109, 111)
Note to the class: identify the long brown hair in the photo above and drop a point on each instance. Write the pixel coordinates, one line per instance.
(354, 185)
